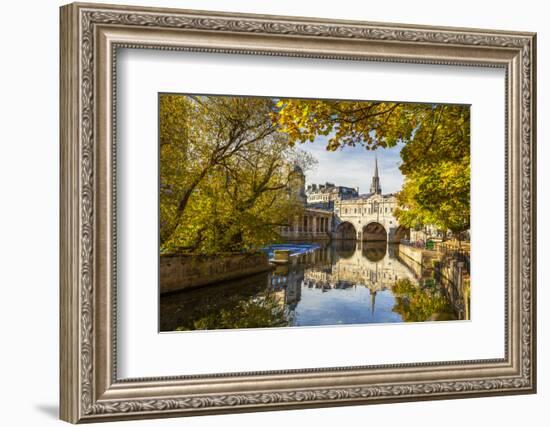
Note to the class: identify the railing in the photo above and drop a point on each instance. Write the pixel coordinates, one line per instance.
(419, 244)
(459, 253)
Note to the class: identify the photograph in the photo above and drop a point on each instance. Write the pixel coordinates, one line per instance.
(291, 212)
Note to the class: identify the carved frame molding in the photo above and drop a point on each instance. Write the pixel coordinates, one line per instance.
(90, 37)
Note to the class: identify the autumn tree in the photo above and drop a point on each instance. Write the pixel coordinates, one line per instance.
(223, 174)
(435, 155)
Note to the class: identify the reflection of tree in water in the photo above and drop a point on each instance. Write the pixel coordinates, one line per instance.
(418, 303)
(243, 303)
(261, 311)
(281, 297)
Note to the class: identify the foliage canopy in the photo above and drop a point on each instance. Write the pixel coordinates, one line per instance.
(226, 162)
(435, 154)
(223, 174)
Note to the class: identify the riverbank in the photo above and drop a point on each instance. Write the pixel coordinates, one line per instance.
(338, 284)
(448, 272)
(181, 272)
(418, 260)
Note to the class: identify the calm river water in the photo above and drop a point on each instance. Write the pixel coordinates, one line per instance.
(342, 283)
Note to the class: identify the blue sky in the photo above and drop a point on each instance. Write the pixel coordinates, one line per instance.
(354, 166)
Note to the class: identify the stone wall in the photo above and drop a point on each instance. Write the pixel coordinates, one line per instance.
(456, 283)
(305, 236)
(413, 258)
(179, 272)
(448, 272)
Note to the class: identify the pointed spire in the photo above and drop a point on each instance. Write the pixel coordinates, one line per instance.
(375, 185)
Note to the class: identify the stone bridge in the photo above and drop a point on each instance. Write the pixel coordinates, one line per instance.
(368, 219)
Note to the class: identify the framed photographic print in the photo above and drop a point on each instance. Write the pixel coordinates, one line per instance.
(266, 212)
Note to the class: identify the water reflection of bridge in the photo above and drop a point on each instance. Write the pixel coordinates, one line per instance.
(340, 266)
(373, 265)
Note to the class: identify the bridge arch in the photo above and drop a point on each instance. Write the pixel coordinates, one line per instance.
(346, 231)
(401, 233)
(374, 232)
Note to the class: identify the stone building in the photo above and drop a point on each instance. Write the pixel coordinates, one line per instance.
(369, 217)
(297, 184)
(341, 213)
(313, 224)
(375, 185)
(323, 196)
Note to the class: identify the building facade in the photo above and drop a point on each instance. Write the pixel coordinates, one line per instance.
(313, 224)
(323, 196)
(341, 213)
(368, 218)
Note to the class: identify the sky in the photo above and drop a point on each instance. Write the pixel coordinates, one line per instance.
(354, 166)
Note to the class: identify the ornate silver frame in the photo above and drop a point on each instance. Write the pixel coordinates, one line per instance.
(90, 36)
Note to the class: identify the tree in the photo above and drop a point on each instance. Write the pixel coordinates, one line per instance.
(435, 156)
(439, 196)
(223, 174)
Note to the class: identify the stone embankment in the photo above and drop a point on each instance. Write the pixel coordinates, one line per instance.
(179, 272)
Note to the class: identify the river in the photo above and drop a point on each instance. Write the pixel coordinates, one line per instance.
(342, 283)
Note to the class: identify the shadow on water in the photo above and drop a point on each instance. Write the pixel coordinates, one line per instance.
(346, 282)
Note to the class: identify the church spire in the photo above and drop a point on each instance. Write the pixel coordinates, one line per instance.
(375, 185)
